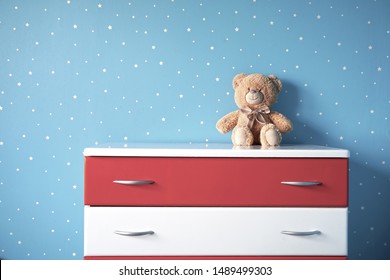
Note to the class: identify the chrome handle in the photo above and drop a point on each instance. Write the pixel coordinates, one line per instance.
(133, 233)
(301, 184)
(134, 182)
(301, 233)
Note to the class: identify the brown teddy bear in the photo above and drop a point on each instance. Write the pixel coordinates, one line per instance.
(254, 123)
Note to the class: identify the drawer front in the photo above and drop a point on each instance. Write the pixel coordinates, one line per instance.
(216, 181)
(207, 231)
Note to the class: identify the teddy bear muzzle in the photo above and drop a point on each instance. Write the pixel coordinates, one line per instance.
(254, 97)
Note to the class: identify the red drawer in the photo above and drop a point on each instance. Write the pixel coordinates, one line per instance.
(216, 181)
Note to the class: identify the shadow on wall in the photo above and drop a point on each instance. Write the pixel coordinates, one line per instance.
(368, 207)
(368, 187)
(288, 99)
(288, 104)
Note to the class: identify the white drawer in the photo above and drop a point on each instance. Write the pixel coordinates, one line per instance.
(215, 231)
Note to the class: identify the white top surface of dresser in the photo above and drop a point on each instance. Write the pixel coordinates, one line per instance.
(213, 150)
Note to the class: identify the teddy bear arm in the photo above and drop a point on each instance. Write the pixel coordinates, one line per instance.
(227, 122)
(281, 122)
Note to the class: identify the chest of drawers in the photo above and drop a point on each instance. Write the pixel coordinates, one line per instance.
(215, 201)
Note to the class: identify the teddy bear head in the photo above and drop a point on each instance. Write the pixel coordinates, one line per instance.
(255, 90)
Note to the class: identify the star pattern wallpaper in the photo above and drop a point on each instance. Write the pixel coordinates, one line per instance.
(80, 73)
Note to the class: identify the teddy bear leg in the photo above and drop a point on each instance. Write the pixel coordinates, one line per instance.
(242, 136)
(270, 135)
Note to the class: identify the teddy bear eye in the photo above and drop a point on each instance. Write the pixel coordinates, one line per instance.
(255, 90)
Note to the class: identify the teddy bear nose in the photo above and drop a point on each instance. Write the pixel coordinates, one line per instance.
(254, 97)
(254, 94)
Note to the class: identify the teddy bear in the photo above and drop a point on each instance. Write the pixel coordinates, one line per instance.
(254, 123)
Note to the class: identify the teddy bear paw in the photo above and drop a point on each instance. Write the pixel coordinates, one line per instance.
(242, 136)
(270, 135)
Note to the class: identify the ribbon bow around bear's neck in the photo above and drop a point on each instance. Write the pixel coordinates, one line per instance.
(260, 115)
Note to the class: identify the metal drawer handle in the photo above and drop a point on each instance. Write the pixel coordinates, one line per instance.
(301, 233)
(302, 184)
(134, 182)
(134, 233)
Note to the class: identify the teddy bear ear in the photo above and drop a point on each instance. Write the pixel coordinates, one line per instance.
(237, 80)
(276, 82)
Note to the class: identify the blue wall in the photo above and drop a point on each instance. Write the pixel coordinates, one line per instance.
(80, 73)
